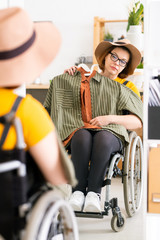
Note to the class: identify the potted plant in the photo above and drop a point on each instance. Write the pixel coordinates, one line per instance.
(135, 15)
(134, 27)
(108, 37)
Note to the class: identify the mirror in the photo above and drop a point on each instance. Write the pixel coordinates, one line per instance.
(75, 22)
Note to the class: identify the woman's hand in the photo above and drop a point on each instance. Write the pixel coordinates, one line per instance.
(128, 121)
(101, 120)
(71, 70)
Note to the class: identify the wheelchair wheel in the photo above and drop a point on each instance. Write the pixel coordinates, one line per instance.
(132, 171)
(114, 223)
(50, 219)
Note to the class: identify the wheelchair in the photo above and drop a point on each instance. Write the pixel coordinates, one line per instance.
(131, 173)
(29, 207)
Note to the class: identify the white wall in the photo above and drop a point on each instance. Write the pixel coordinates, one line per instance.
(74, 20)
(9, 3)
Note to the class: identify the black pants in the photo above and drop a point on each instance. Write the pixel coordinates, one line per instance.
(91, 152)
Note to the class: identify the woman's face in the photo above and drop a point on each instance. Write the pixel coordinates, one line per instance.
(113, 67)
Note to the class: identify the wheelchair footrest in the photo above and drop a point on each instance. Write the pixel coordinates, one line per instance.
(89, 214)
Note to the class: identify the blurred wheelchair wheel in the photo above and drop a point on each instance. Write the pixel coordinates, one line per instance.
(51, 218)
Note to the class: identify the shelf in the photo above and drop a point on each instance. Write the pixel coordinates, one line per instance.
(99, 30)
(37, 86)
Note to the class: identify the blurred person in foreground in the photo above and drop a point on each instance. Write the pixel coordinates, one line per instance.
(26, 49)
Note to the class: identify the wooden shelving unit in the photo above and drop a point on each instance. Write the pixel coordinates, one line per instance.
(99, 30)
(37, 86)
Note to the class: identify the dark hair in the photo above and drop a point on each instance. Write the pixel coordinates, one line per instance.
(126, 71)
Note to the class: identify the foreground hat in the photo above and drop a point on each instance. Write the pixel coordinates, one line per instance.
(105, 45)
(26, 48)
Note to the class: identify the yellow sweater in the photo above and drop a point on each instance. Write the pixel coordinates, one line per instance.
(129, 84)
(35, 120)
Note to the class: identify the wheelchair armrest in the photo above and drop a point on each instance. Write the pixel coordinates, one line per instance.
(9, 166)
(139, 132)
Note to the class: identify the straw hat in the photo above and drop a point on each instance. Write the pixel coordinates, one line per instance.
(135, 53)
(26, 48)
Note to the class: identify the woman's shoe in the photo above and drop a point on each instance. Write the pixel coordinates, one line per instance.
(77, 200)
(92, 203)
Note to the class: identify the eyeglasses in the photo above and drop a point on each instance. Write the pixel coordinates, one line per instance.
(115, 58)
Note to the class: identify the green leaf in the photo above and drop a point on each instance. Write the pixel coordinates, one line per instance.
(136, 15)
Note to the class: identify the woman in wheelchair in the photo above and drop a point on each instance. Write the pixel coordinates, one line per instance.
(24, 54)
(92, 113)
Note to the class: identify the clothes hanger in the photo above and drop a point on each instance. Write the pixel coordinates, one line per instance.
(88, 70)
(95, 67)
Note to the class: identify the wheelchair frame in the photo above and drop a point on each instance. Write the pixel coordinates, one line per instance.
(50, 217)
(132, 179)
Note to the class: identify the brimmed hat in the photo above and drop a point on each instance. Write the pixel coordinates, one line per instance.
(26, 48)
(135, 53)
